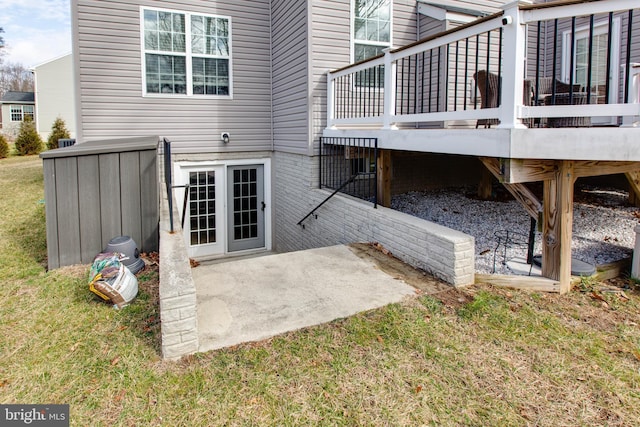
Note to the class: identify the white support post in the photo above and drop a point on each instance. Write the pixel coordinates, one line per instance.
(635, 263)
(330, 100)
(633, 74)
(389, 91)
(513, 54)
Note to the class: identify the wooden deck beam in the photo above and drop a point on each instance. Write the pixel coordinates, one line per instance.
(531, 170)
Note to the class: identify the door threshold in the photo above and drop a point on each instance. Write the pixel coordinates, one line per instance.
(233, 257)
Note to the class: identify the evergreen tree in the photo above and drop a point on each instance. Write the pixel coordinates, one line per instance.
(58, 131)
(28, 140)
(4, 147)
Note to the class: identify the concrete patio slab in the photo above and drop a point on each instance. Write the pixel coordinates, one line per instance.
(257, 298)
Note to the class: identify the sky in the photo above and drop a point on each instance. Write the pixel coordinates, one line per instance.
(35, 31)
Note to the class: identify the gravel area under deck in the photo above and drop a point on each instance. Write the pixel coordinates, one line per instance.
(603, 223)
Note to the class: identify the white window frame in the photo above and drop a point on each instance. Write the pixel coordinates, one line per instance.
(15, 110)
(31, 113)
(352, 35)
(601, 27)
(221, 247)
(20, 109)
(188, 55)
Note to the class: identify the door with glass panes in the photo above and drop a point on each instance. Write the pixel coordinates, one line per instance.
(245, 207)
(242, 188)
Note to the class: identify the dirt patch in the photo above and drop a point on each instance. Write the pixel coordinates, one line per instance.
(398, 269)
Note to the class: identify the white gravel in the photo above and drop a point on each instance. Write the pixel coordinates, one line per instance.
(603, 227)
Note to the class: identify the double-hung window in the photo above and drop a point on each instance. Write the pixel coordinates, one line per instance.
(371, 35)
(599, 42)
(21, 112)
(16, 113)
(185, 53)
(371, 28)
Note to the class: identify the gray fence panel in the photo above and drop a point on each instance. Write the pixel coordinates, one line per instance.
(149, 200)
(110, 209)
(130, 196)
(89, 201)
(51, 212)
(68, 210)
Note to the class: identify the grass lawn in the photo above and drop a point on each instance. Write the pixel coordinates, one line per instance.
(482, 356)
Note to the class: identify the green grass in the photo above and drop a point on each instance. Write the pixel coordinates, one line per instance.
(494, 357)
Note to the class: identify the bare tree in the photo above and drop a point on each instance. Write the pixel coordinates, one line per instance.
(13, 76)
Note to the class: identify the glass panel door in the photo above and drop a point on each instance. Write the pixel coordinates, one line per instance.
(204, 219)
(246, 205)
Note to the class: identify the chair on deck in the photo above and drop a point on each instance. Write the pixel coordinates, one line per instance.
(488, 87)
(567, 94)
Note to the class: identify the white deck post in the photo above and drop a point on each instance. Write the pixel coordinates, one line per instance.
(634, 94)
(635, 263)
(514, 45)
(330, 101)
(389, 91)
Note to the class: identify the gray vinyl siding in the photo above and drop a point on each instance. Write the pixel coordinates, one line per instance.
(107, 41)
(331, 44)
(430, 26)
(290, 76)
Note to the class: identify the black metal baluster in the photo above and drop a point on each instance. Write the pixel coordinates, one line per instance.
(477, 64)
(590, 60)
(608, 72)
(555, 61)
(572, 59)
(455, 80)
(628, 59)
(466, 70)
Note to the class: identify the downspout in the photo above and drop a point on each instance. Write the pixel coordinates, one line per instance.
(273, 145)
(75, 48)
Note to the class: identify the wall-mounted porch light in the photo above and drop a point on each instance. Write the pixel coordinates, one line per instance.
(224, 137)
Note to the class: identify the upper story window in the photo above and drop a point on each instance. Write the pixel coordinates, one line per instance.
(21, 112)
(371, 28)
(186, 53)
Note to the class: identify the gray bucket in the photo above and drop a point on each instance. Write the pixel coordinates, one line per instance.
(126, 246)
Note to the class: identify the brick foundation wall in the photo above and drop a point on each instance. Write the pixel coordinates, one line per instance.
(445, 253)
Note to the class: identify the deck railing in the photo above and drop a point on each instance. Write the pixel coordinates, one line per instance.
(546, 61)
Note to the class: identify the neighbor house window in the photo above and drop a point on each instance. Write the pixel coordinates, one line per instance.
(371, 28)
(21, 112)
(186, 53)
(27, 112)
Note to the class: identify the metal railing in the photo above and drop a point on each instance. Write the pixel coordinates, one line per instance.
(583, 49)
(349, 166)
(344, 158)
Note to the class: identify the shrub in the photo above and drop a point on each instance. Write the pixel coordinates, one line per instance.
(58, 131)
(4, 147)
(28, 140)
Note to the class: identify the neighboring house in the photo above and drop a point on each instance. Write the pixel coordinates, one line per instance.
(242, 91)
(55, 95)
(16, 106)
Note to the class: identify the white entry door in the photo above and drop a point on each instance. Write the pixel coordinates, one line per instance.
(225, 208)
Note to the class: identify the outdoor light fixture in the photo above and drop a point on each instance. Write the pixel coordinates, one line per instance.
(224, 136)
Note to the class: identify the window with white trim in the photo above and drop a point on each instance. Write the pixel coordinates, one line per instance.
(21, 112)
(371, 28)
(600, 40)
(185, 53)
(16, 113)
(27, 112)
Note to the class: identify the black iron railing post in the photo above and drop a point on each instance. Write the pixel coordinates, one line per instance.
(167, 179)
